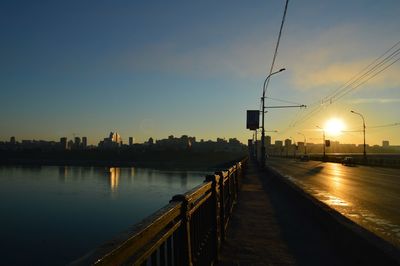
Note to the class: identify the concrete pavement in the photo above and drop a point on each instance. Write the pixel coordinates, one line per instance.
(268, 227)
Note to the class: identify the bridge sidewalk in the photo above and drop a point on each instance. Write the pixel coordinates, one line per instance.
(268, 229)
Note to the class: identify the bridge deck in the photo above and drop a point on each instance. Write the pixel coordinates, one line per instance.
(267, 228)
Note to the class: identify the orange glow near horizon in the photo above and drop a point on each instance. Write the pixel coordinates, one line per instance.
(334, 126)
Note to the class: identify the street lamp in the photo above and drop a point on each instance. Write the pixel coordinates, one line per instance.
(305, 142)
(262, 115)
(365, 153)
(323, 138)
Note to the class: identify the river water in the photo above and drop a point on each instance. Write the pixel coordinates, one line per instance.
(52, 215)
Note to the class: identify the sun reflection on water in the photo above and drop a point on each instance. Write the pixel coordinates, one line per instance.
(115, 173)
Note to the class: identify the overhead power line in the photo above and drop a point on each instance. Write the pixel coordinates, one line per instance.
(357, 76)
(284, 101)
(387, 125)
(377, 66)
(277, 44)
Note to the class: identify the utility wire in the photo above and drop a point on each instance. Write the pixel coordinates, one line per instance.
(350, 84)
(371, 71)
(388, 125)
(362, 83)
(276, 47)
(365, 68)
(284, 101)
(357, 77)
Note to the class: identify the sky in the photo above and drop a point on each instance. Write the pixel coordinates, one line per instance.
(159, 68)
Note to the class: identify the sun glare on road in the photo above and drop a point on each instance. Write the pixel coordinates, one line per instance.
(334, 126)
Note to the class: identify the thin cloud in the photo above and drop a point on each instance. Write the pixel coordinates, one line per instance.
(330, 59)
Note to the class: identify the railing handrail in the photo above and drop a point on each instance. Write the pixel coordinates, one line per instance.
(138, 243)
(140, 231)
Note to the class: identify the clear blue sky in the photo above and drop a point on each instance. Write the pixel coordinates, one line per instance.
(151, 69)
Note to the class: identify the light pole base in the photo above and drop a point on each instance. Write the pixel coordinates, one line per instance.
(262, 157)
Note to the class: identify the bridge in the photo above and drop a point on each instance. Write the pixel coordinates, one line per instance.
(245, 216)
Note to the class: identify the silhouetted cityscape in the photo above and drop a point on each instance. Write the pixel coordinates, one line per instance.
(176, 152)
(288, 147)
(114, 142)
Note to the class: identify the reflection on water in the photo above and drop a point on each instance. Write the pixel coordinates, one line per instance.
(132, 172)
(114, 177)
(62, 173)
(59, 213)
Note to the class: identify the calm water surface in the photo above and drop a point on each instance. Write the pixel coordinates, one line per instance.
(51, 215)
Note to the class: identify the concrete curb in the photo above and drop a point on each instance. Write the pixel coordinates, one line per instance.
(366, 247)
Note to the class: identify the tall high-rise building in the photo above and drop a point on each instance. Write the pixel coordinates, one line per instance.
(113, 141)
(84, 142)
(63, 143)
(77, 143)
(115, 137)
(130, 141)
(70, 144)
(12, 140)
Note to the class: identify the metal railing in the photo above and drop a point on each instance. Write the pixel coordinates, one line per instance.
(187, 231)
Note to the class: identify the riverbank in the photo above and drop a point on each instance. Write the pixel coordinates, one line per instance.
(178, 160)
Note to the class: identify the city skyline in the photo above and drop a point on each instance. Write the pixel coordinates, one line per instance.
(79, 68)
(115, 137)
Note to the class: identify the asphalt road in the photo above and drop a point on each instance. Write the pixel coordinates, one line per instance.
(369, 196)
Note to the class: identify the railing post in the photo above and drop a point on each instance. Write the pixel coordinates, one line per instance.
(222, 204)
(216, 200)
(237, 176)
(186, 241)
(230, 189)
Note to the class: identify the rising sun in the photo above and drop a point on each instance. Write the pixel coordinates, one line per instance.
(334, 126)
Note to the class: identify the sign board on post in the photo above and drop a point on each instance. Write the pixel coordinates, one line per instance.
(253, 119)
(327, 143)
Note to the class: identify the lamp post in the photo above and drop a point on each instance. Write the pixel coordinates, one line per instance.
(305, 142)
(262, 115)
(323, 139)
(365, 153)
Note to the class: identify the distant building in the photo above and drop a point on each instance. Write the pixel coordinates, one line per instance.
(288, 142)
(12, 140)
(300, 144)
(267, 140)
(63, 143)
(130, 141)
(115, 137)
(70, 145)
(113, 141)
(221, 140)
(385, 144)
(84, 142)
(77, 142)
(183, 143)
(278, 143)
